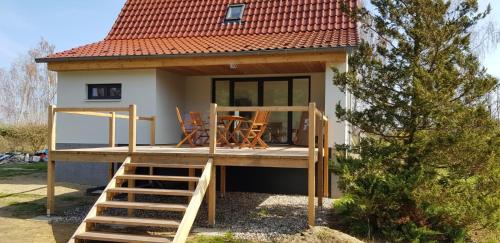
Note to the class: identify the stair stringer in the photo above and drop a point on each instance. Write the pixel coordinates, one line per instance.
(102, 198)
(194, 204)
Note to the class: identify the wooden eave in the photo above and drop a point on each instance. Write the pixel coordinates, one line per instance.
(176, 62)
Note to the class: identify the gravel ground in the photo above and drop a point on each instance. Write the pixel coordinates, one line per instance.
(251, 216)
(264, 217)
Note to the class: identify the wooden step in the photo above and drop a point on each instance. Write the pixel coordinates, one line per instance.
(173, 166)
(144, 206)
(129, 221)
(157, 178)
(151, 191)
(113, 237)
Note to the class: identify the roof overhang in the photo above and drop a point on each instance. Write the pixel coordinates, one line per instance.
(304, 55)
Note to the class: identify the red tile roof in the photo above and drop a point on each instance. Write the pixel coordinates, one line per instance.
(177, 27)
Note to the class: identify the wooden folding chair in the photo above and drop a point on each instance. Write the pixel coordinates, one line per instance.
(252, 133)
(222, 130)
(189, 133)
(200, 125)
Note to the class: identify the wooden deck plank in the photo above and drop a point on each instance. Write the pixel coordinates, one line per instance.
(176, 166)
(129, 221)
(144, 206)
(282, 151)
(277, 157)
(157, 178)
(112, 237)
(151, 191)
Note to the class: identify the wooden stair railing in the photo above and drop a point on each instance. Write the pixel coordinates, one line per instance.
(194, 204)
(125, 174)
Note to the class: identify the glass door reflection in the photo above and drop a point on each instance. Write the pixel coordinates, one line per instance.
(276, 94)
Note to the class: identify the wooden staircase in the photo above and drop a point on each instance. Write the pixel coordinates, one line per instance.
(93, 227)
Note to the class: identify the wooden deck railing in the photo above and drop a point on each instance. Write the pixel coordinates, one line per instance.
(194, 204)
(109, 112)
(112, 114)
(317, 128)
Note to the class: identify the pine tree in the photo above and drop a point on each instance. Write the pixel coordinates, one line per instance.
(427, 166)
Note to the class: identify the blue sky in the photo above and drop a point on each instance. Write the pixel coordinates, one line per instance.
(71, 23)
(64, 23)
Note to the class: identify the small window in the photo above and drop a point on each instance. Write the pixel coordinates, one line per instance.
(234, 13)
(104, 91)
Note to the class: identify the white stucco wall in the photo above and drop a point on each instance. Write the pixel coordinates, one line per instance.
(138, 87)
(318, 89)
(338, 131)
(169, 94)
(198, 94)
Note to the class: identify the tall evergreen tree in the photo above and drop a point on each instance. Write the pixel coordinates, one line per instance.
(427, 166)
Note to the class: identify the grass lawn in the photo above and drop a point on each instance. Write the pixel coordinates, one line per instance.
(228, 237)
(21, 169)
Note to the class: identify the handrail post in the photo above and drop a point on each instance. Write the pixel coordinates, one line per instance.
(152, 131)
(212, 151)
(311, 185)
(112, 130)
(51, 163)
(112, 141)
(213, 129)
(132, 128)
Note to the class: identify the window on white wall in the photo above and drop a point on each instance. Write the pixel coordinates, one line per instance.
(104, 91)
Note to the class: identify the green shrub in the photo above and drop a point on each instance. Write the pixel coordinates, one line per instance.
(27, 138)
(451, 190)
(427, 167)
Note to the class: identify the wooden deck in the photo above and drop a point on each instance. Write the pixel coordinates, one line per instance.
(314, 158)
(275, 156)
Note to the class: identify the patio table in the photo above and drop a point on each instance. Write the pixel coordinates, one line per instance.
(227, 135)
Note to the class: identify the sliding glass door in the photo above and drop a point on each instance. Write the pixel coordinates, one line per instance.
(271, 91)
(245, 93)
(276, 94)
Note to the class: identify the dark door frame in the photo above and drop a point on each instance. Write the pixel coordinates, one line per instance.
(260, 81)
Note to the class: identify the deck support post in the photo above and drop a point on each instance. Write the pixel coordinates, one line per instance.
(112, 141)
(311, 187)
(320, 161)
(212, 151)
(212, 197)
(152, 140)
(51, 163)
(326, 166)
(191, 186)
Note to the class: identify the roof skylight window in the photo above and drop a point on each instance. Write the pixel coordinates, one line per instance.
(234, 13)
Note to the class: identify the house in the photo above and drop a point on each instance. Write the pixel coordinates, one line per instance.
(161, 54)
